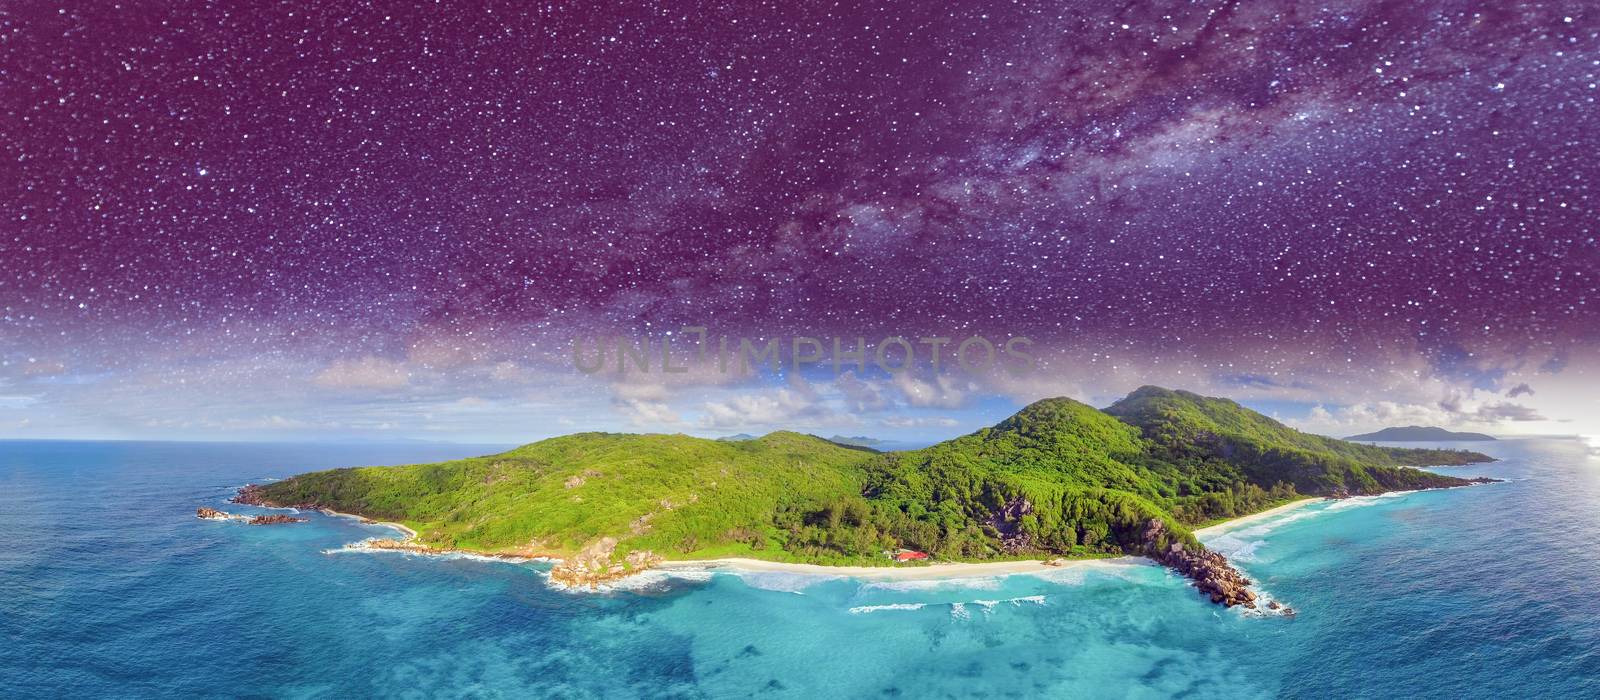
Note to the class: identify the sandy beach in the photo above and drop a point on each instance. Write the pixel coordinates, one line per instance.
(900, 573)
(409, 533)
(1254, 517)
(932, 571)
(954, 569)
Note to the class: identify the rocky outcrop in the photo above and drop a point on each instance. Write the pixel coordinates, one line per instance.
(1007, 524)
(1210, 571)
(250, 495)
(403, 546)
(204, 513)
(275, 520)
(253, 495)
(594, 565)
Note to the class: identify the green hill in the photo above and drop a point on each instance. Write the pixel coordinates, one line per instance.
(674, 494)
(1207, 438)
(1059, 478)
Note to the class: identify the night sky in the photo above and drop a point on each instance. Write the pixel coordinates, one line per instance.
(392, 220)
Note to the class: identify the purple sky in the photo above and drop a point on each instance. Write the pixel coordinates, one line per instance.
(341, 220)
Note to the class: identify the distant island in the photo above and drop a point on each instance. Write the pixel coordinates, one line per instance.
(858, 441)
(855, 441)
(1418, 433)
(1058, 480)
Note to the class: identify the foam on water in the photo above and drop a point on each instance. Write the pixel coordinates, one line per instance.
(863, 609)
(957, 609)
(960, 582)
(780, 581)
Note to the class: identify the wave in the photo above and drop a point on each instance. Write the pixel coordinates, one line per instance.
(1364, 501)
(958, 610)
(984, 583)
(777, 581)
(1240, 545)
(863, 609)
(654, 580)
(991, 604)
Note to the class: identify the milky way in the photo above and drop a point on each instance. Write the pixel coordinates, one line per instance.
(1389, 185)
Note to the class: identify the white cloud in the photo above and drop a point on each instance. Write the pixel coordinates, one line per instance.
(797, 405)
(645, 413)
(365, 373)
(901, 422)
(944, 391)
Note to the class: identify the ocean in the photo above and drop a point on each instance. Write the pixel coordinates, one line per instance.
(110, 587)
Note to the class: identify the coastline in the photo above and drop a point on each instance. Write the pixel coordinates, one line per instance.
(950, 570)
(408, 532)
(256, 501)
(1227, 525)
(943, 571)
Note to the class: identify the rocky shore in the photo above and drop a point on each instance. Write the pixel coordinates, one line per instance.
(275, 520)
(593, 565)
(1210, 571)
(214, 514)
(204, 513)
(250, 495)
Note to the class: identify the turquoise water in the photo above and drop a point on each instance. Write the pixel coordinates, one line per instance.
(110, 587)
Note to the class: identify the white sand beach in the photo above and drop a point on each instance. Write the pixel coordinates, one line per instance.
(408, 532)
(949, 570)
(896, 573)
(954, 569)
(1225, 526)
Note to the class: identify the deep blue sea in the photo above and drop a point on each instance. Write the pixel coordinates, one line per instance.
(109, 587)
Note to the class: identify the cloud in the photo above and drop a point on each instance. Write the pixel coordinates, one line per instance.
(646, 413)
(919, 422)
(861, 395)
(1519, 390)
(1506, 411)
(365, 373)
(797, 404)
(942, 392)
(18, 402)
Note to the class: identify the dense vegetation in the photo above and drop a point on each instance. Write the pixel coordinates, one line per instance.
(1059, 478)
(1210, 436)
(673, 494)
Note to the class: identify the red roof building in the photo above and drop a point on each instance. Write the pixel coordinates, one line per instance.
(910, 556)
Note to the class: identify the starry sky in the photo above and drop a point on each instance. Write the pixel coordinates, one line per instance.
(392, 220)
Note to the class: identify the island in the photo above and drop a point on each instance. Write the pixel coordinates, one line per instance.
(858, 441)
(1058, 480)
(1418, 433)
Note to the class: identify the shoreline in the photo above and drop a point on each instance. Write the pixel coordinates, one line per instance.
(1227, 525)
(364, 520)
(950, 570)
(931, 572)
